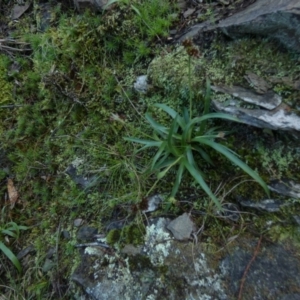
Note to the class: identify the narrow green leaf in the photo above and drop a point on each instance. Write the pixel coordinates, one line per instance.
(21, 227)
(136, 10)
(170, 141)
(197, 176)
(186, 116)
(109, 3)
(165, 171)
(190, 157)
(234, 159)
(177, 182)
(165, 161)
(155, 125)
(149, 143)
(207, 98)
(189, 127)
(171, 112)
(9, 232)
(204, 155)
(158, 154)
(7, 252)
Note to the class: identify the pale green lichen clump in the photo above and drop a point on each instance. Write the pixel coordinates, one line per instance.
(170, 71)
(6, 87)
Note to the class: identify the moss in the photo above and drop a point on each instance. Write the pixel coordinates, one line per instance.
(113, 237)
(131, 234)
(6, 86)
(140, 262)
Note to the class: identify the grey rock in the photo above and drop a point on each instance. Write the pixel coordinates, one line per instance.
(95, 5)
(48, 265)
(153, 203)
(285, 187)
(277, 119)
(26, 251)
(187, 273)
(188, 270)
(141, 84)
(86, 233)
(51, 252)
(269, 205)
(84, 181)
(269, 100)
(78, 222)
(297, 219)
(182, 227)
(66, 234)
(274, 273)
(277, 19)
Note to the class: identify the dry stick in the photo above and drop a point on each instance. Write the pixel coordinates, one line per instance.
(247, 268)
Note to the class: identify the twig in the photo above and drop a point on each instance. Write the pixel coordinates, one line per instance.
(95, 244)
(248, 267)
(14, 42)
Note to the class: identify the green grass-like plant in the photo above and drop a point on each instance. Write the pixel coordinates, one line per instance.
(186, 136)
(13, 230)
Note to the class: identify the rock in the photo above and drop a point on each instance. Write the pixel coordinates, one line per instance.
(152, 203)
(85, 182)
(269, 205)
(297, 219)
(131, 250)
(285, 187)
(141, 84)
(86, 233)
(24, 252)
(269, 100)
(51, 252)
(277, 19)
(274, 273)
(164, 268)
(48, 265)
(19, 10)
(95, 5)
(278, 119)
(78, 222)
(66, 234)
(182, 227)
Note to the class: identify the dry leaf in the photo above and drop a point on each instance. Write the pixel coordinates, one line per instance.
(13, 194)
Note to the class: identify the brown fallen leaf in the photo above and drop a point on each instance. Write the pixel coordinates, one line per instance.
(13, 194)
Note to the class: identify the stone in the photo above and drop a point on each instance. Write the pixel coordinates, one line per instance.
(26, 251)
(269, 100)
(285, 187)
(269, 205)
(277, 19)
(96, 5)
(165, 268)
(48, 265)
(152, 202)
(278, 119)
(141, 84)
(86, 233)
(274, 274)
(182, 227)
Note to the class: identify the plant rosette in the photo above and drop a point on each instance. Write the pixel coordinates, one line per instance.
(178, 144)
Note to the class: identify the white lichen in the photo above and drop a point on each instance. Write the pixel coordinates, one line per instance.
(157, 242)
